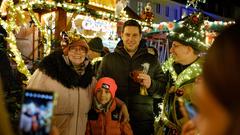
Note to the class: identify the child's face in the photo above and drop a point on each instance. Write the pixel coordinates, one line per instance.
(103, 96)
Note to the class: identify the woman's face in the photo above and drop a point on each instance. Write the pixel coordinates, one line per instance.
(212, 118)
(77, 54)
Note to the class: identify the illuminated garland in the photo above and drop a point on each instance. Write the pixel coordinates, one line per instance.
(72, 7)
(189, 73)
(96, 60)
(101, 5)
(167, 66)
(47, 45)
(208, 25)
(47, 5)
(217, 25)
(10, 25)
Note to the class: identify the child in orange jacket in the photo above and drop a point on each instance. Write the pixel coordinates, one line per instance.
(103, 118)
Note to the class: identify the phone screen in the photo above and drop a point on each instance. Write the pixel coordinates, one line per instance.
(191, 110)
(36, 112)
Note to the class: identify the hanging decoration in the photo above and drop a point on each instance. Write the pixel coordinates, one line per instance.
(147, 14)
(194, 3)
(11, 27)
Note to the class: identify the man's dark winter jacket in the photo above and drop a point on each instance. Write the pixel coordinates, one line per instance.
(119, 64)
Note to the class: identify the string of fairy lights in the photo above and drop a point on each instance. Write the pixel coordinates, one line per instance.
(11, 26)
(189, 73)
(17, 11)
(211, 25)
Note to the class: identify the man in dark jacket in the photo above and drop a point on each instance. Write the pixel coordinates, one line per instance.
(134, 88)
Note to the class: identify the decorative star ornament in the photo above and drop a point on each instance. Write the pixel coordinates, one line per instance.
(194, 3)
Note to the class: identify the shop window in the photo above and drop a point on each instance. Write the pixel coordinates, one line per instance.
(175, 14)
(158, 9)
(167, 11)
(140, 7)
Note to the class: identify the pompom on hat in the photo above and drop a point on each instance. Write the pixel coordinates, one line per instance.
(191, 32)
(107, 83)
(72, 39)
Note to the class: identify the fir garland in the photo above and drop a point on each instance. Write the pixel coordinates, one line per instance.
(10, 26)
(189, 73)
(167, 66)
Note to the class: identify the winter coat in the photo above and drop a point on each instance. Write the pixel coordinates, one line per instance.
(107, 123)
(172, 116)
(118, 66)
(74, 92)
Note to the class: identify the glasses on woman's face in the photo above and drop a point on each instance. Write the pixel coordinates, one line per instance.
(77, 49)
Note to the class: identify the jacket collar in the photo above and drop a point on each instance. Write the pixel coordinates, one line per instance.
(55, 67)
(110, 106)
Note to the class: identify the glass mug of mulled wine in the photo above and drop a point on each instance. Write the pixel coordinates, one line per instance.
(134, 75)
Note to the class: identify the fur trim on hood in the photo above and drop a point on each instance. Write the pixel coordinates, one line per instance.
(54, 66)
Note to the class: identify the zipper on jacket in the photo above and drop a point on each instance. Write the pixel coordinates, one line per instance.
(104, 123)
(77, 110)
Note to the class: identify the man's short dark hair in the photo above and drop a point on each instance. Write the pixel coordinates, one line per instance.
(132, 23)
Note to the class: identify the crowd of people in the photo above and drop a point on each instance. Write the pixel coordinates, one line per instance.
(110, 93)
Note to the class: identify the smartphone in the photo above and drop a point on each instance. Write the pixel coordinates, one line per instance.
(36, 112)
(191, 109)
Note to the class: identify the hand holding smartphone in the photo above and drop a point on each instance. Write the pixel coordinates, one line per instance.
(191, 110)
(36, 112)
(187, 108)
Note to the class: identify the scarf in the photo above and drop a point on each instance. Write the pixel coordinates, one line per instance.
(101, 107)
(80, 69)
